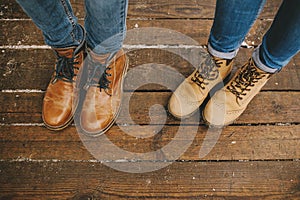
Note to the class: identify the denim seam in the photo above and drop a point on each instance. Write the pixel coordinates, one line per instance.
(122, 14)
(63, 2)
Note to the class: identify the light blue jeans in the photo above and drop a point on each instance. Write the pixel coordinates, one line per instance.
(234, 18)
(105, 23)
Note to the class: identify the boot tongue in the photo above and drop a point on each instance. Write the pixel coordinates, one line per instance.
(65, 52)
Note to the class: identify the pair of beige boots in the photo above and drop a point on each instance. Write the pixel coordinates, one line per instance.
(227, 104)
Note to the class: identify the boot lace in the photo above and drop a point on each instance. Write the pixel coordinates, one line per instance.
(246, 79)
(64, 69)
(99, 74)
(208, 71)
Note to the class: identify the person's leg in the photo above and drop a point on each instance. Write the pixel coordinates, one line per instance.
(279, 45)
(66, 37)
(233, 19)
(56, 20)
(105, 23)
(281, 42)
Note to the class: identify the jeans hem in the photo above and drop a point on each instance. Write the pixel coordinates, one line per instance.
(227, 55)
(259, 64)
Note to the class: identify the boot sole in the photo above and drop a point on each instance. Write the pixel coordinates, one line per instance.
(213, 125)
(182, 117)
(58, 128)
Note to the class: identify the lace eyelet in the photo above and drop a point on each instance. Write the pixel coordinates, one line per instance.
(246, 78)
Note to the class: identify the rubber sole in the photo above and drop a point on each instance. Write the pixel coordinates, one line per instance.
(58, 128)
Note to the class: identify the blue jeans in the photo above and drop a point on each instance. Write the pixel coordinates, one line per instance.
(105, 23)
(234, 18)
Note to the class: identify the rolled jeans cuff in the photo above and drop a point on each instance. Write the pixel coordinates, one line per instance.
(259, 63)
(225, 55)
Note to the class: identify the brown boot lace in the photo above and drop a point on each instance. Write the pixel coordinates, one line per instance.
(246, 79)
(208, 71)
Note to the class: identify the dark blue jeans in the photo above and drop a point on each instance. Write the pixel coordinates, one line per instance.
(234, 18)
(105, 23)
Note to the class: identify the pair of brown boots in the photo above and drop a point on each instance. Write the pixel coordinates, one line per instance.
(227, 104)
(103, 87)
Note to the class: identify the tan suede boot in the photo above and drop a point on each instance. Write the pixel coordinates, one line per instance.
(191, 93)
(231, 101)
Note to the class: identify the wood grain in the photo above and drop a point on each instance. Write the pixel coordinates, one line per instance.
(272, 107)
(235, 143)
(149, 9)
(215, 180)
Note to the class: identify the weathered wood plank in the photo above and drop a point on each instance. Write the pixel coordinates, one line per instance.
(216, 180)
(148, 9)
(32, 68)
(271, 107)
(234, 143)
(26, 33)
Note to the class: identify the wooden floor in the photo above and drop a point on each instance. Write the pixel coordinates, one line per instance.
(255, 158)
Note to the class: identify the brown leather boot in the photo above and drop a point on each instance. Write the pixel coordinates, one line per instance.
(59, 103)
(104, 89)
